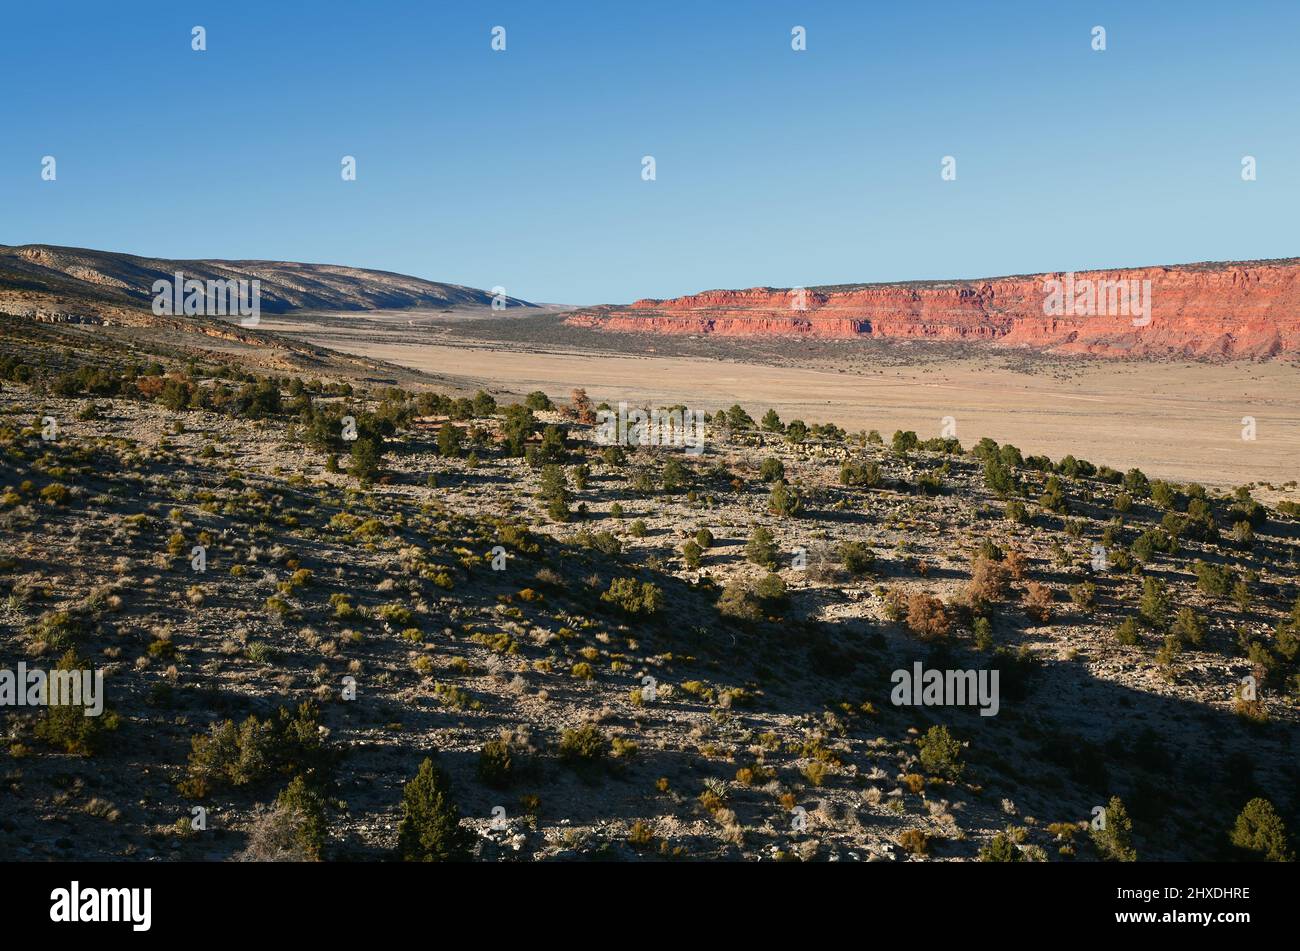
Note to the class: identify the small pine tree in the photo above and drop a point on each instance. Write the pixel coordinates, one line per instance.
(1189, 628)
(1114, 837)
(1241, 595)
(999, 479)
(304, 805)
(1127, 632)
(430, 828)
(449, 440)
(784, 500)
(1260, 829)
(1001, 849)
(1154, 606)
(761, 548)
(366, 458)
(66, 726)
(674, 476)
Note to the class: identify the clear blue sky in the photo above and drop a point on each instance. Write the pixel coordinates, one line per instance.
(523, 168)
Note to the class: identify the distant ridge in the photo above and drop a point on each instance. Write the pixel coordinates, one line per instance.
(1217, 310)
(82, 277)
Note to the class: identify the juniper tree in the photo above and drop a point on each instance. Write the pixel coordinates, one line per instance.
(784, 500)
(1260, 829)
(1154, 606)
(1113, 834)
(430, 828)
(761, 548)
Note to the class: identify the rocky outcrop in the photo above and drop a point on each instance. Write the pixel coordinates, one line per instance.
(1229, 310)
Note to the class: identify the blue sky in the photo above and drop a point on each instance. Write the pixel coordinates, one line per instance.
(523, 168)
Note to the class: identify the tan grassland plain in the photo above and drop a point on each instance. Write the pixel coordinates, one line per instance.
(1179, 421)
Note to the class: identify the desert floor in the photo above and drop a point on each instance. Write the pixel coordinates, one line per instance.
(1181, 421)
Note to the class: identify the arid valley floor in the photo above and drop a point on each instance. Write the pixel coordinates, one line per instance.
(1175, 419)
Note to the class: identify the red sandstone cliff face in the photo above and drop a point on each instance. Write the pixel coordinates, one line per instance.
(1232, 310)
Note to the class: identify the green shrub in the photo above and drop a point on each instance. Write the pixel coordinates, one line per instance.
(1084, 594)
(1214, 580)
(56, 493)
(674, 476)
(865, 474)
(1015, 511)
(496, 763)
(584, 745)
(1001, 849)
(904, 441)
(999, 479)
(256, 750)
(770, 589)
(856, 557)
(1053, 497)
(739, 601)
(691, 554)
(941, 753)
(366, 458)
(450, 440)
(398, 615)
(57, 630)
(634, 597)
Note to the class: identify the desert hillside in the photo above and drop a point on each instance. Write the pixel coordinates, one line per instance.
(1236, 310)
(482, 630)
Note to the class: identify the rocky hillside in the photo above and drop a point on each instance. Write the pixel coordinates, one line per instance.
(477, 631)
(43, 276)
(1220, 310)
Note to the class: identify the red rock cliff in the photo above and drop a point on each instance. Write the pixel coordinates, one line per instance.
(1233, 310)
